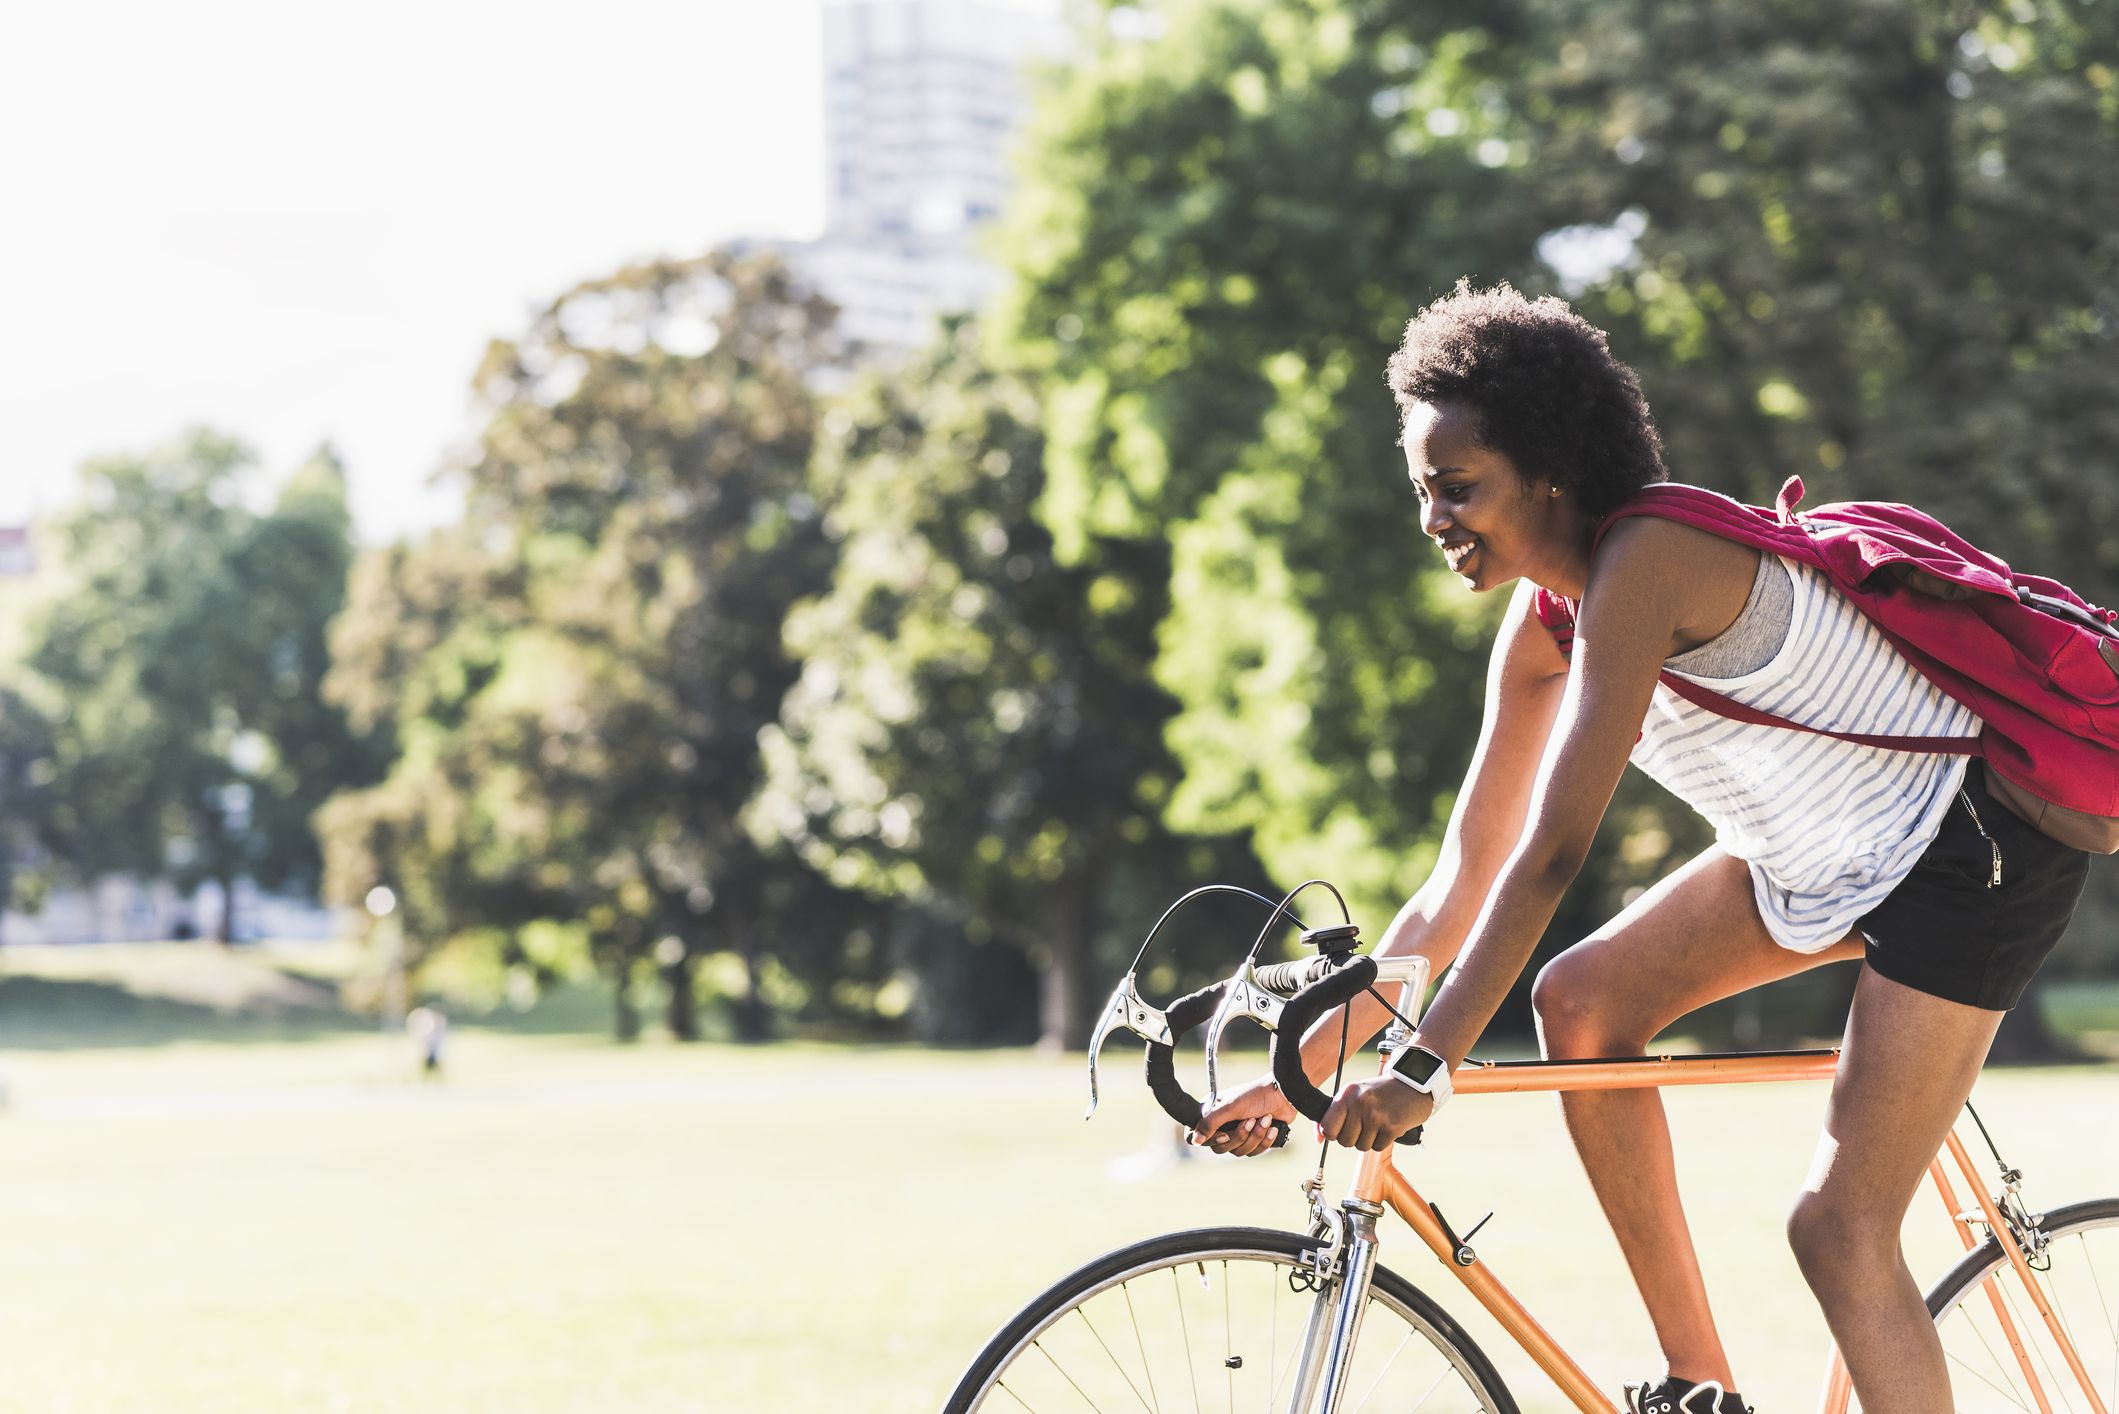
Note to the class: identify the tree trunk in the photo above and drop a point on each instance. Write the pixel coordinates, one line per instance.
(682, 1007)
(225, 935)
(1063, 1023)
(2026, 1037)
(754, 1019)
(625, 1013)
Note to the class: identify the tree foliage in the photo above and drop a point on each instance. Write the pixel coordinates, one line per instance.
(1145, 564)
(187, 654)
(1873, 246)
(578, 734)
(28, 780)
(976, 730)
(1233, 222)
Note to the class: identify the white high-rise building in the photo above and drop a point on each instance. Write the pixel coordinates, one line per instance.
(922, 101)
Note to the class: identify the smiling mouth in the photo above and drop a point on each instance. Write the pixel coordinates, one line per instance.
(1458, 554)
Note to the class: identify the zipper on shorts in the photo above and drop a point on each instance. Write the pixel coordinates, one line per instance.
(1993, 878)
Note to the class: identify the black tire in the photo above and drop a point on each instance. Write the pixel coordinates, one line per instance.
(2080, 1281)
(1277, 1254)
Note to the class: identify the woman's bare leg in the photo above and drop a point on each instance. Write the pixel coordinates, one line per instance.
(1692, 939)
(1907, 1065)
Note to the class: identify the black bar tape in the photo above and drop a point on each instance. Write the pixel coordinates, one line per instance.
(1329, 993)
(1184, 1015)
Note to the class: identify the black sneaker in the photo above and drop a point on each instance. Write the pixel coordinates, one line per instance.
(1675, 1396)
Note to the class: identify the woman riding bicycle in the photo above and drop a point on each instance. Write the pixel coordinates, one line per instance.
(1521, 434)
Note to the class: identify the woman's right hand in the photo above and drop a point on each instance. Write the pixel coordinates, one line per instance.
(1249, 1113)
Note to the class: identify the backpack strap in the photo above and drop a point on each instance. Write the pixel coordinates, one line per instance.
(1712, 701)
(1784, 530)
(1778, 531)
(1558, 616)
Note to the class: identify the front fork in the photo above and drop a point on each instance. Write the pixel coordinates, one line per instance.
(1335, 1317)
(1328, 1341)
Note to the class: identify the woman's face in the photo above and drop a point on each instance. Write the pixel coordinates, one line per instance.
(1493, 524)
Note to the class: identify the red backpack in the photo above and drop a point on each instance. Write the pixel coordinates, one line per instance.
(2037, 662)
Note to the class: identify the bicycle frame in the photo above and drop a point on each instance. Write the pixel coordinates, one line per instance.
(1378, 1184)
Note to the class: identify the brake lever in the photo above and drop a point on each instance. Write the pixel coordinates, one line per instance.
(1244, 996)
(1125, 1009)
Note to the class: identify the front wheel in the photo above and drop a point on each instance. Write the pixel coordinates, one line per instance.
(2076, 1267)
(1214, 1319)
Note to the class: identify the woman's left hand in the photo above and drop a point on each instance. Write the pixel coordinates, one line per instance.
(1371, 1114)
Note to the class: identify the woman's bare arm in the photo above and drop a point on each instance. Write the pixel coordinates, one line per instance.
(1525, 679)
(1635, 600)
(1637, 596)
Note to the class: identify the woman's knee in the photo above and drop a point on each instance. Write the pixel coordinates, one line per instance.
(1830, 1236)
(1579, 1013)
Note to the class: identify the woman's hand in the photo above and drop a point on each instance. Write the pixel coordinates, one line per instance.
(1371, 1114)
(1250, 1112)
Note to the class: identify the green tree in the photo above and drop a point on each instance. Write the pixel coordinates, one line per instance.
(1230, 225)
(1870, 246)
(423, 636)
(187, 653)
(27, 776)
(976, 730)
(579, 746)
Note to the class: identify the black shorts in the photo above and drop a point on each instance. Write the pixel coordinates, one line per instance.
(1951, 931)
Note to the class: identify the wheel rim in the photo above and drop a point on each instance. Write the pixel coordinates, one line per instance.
(1161, 1335)
(2080, 1282)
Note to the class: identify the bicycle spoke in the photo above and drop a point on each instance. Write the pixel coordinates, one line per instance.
(2024, 1330)
(2056, 1300)
(2059, 1308)
(1114, 1361)
(1273, 1348)
(1370, 1392)
(1177, 1296)
(2032, 1330)
(1228, 1332)
(2111, 1328)
(2008, 1368)
(1080, 1365)
(1147, 1368)
(1429, 1392)
(2001, 1351)
(1294, 1356)
(2009, 1394)
(1039, 1346)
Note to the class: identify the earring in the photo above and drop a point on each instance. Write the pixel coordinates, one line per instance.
(1555, 491)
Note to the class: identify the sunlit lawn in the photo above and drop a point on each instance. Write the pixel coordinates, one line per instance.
(568, 1225)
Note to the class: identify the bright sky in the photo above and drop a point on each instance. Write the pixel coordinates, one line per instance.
(297, 222)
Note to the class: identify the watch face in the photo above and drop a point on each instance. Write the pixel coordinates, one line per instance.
(1417, 1065)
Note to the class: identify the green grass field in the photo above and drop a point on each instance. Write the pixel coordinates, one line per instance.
(264, 1209)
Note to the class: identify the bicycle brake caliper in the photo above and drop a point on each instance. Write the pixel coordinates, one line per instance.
(2026, 1227)
(1328, 1226)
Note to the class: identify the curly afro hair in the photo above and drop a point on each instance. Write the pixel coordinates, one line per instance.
(1543, 385)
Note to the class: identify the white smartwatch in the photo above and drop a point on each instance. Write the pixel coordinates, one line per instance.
(1425, 1071)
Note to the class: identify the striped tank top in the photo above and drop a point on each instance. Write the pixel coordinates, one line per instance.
(1828, 827)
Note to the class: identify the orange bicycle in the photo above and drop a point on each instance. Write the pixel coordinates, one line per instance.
(1310, 1322)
